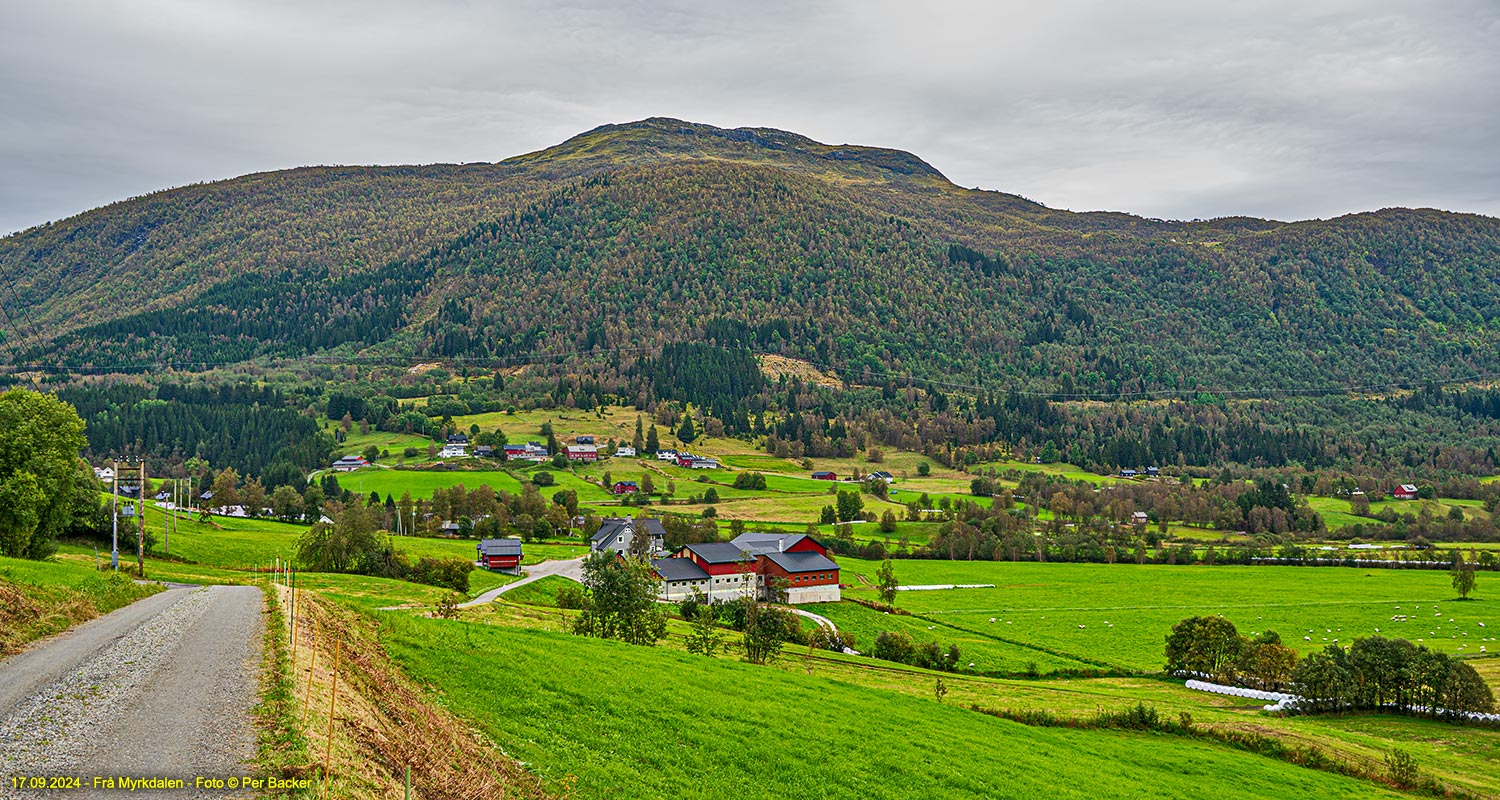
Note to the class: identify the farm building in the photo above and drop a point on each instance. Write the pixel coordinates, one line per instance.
(616, 534)
(582, 452)
(530, 451)
(349, 463)
(1405, 491)
(825, 475)
(730, 570)
(1153, 472)
(800, 560)
(503, 555)
(681, 578)
(696, 462)
(625, 487)
(1139, 518)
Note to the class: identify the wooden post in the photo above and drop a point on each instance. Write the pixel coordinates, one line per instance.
(312, 667)
(333, 695)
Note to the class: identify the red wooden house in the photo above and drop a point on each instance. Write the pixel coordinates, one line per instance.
(1405, 491)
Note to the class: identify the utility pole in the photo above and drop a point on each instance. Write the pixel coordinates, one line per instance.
(140, 540)
(114, 515)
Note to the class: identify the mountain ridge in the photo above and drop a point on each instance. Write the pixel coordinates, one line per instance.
(657, 227)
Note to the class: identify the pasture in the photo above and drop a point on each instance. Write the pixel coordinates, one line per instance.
(700, 727)
(1120, 614)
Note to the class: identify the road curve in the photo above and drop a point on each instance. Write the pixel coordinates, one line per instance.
(159, 689)
(572, 569)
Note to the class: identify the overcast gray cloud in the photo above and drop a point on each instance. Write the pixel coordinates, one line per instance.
(1168, 109)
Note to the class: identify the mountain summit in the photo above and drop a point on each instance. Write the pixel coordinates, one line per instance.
(662, 139)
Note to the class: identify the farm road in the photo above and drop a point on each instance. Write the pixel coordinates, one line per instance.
(572, 569)
(161, 688)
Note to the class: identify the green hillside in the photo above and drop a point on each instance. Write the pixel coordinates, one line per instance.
(868, 260)
(650, 722)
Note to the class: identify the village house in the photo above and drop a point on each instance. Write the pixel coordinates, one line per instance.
(1127, 473)
(349, 464)
(615, 535)
(105, 474)
(625, 487)
(624, 451)
(666, 455)
(454, 450)
(881, 475)
(484, 451)
(1405, 491)
(583, 440)
(501, 555)
(582, 452)
(1139, 518)
(458, 438)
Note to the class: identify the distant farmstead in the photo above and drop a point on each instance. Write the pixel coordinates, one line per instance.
(1405, 491)
(349, 464)
(582, 452)
(530, 451)
(625, 487)
(825, 476)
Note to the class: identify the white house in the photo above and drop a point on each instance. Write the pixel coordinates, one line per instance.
(624, 451)
(454, 450)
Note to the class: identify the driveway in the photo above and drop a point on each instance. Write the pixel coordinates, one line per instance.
(572, 569)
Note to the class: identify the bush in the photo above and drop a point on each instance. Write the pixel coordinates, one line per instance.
(410, 452)
(572, 597)
(750, 480)
(894, 646)
(543, 478)
(1402, 768)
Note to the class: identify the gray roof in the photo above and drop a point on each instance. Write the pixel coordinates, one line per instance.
(678, 569)
(719, 552)
(500, 547)
(802, 562)
(758, 543)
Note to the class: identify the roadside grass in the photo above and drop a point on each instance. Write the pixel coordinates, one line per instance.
(645, 715)
(40, 598)
(1120, 614)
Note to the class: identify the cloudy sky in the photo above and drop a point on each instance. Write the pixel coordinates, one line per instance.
(1278, 109)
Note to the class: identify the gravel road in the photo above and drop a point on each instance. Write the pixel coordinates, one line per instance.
(159, 689)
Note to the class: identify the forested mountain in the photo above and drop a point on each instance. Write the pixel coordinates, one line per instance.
(630, 237)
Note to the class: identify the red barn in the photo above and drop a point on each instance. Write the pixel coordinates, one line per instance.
(503, 555)
(825, 476)
(1405, 491)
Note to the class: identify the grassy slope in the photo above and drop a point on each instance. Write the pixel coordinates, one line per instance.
(40, 598)
(1126, 610)
(651, 722)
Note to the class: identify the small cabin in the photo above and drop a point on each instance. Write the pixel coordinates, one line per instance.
(825, 475)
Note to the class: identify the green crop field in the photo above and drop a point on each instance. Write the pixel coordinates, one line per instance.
(421, 483)
(702, 727)
(986, 652)
(1121, 613)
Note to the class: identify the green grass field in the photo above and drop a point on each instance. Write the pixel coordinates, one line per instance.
(40, 598)
(632, 722)
(1121, 613)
